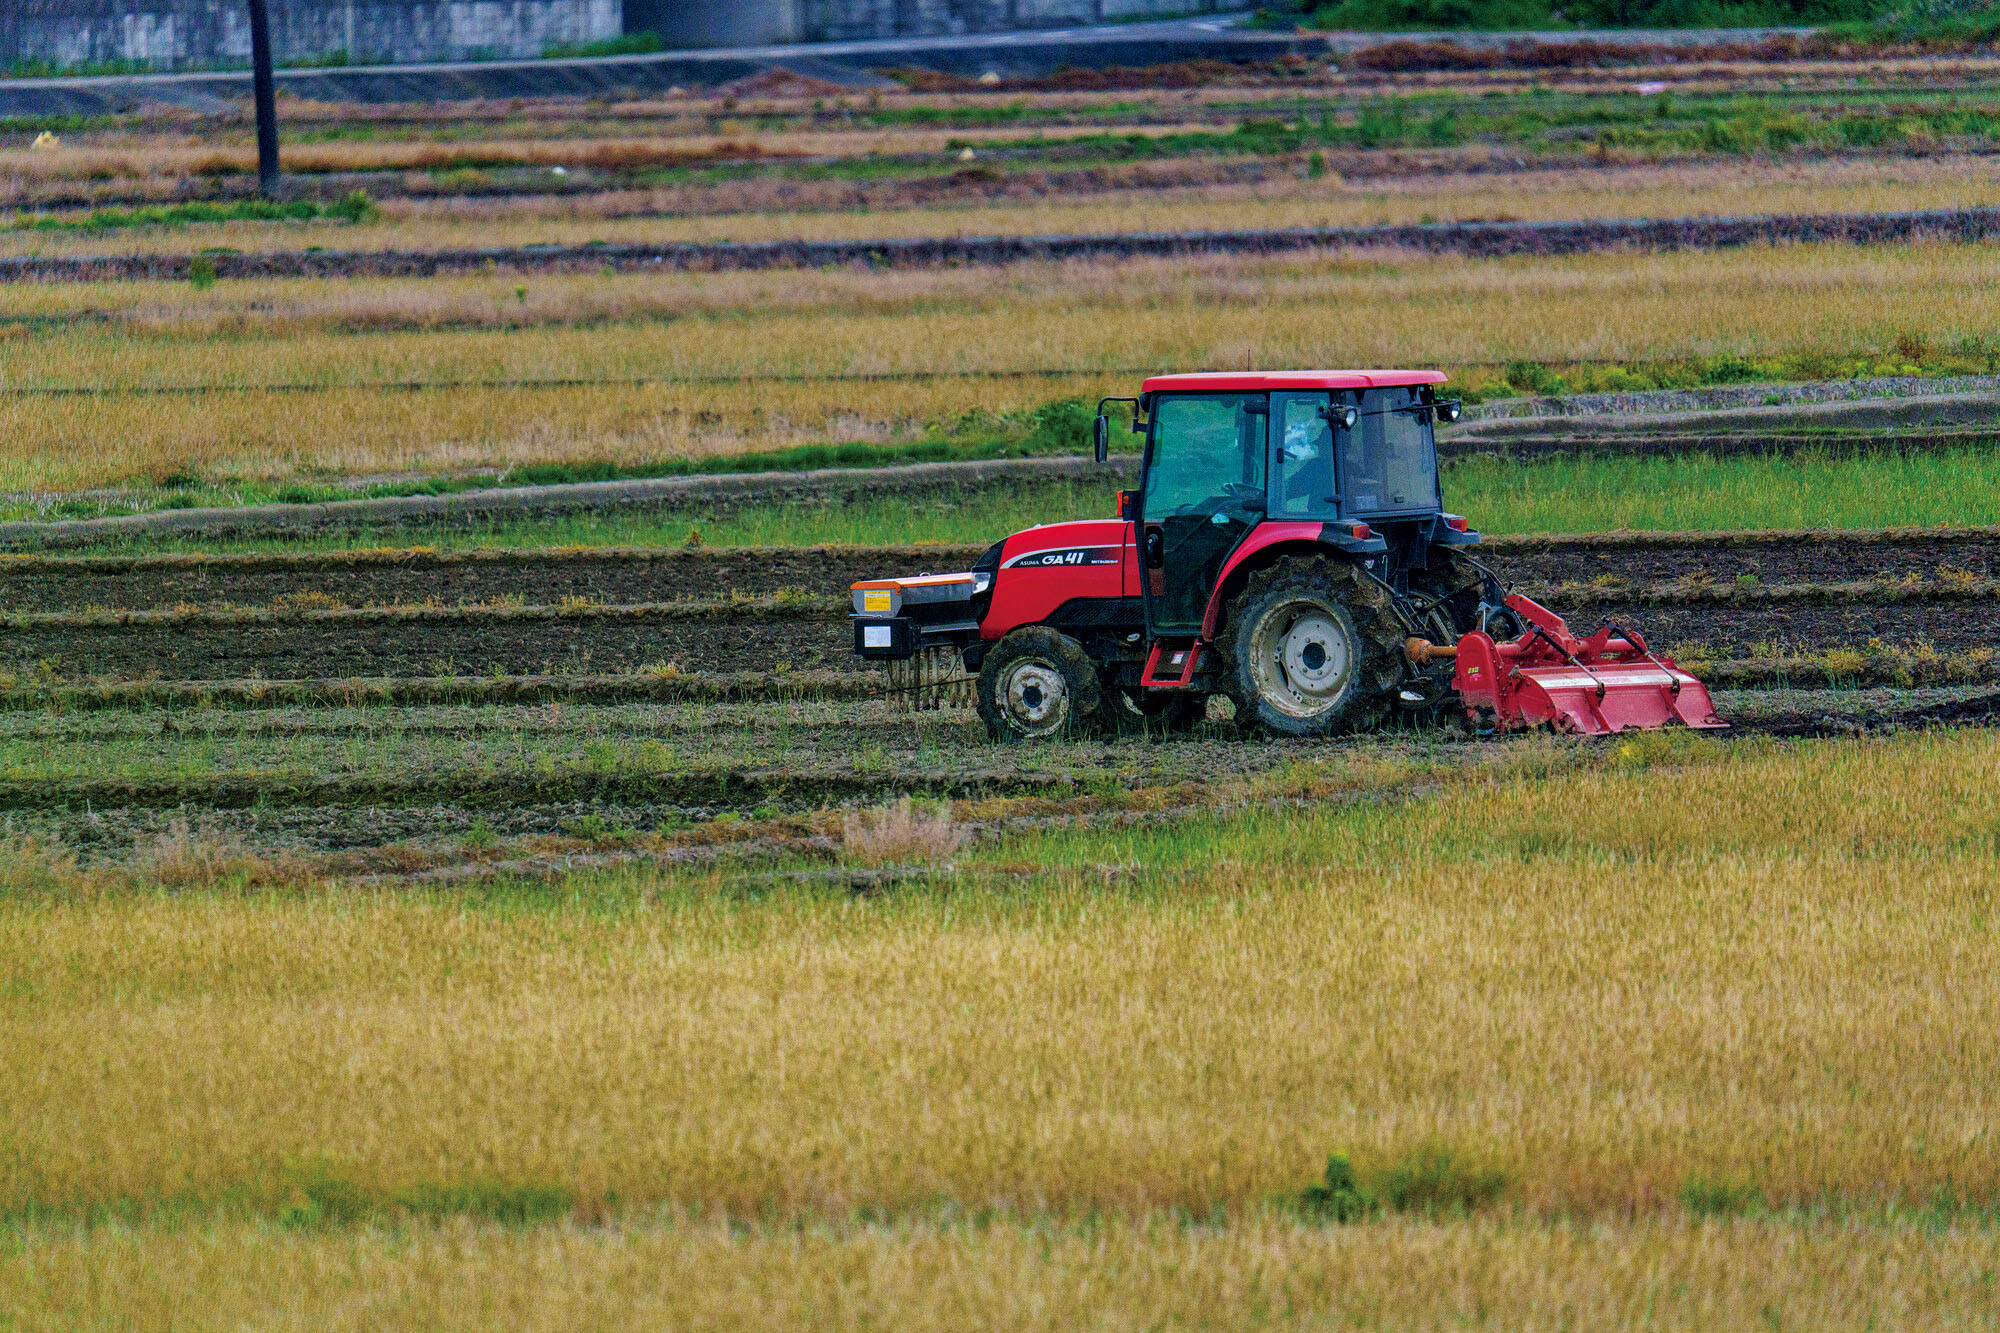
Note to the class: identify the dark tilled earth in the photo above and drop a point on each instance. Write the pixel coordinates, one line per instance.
(318, 648)
(668, 575)
(312, 648)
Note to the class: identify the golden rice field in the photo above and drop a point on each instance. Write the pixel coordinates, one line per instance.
(1097, 325)
(1113, 1273)
(1082, 1078)
(1723, 189)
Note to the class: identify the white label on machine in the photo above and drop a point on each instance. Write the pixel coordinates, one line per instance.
(874, 636)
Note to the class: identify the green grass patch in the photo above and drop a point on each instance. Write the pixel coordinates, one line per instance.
(353, 207)
(1694, 491)
(1587, 494)
(1546, 16)
(626, 44)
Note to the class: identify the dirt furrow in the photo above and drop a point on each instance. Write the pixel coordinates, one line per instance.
(629, 576)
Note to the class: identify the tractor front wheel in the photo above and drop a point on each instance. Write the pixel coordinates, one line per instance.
(1312, 648)
(1038, 683)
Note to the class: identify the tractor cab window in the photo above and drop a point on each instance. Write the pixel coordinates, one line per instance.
(1304, 439)
(1207, 450)
(1388, 461)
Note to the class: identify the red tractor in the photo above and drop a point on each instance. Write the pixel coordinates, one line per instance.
(1288, 547)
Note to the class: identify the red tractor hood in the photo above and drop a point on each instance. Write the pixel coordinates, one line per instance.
(1081, 544)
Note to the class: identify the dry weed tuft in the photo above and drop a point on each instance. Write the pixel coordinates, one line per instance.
(901, 834)
(179, 859)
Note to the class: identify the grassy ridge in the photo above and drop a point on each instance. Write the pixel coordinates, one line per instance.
(1587, 494)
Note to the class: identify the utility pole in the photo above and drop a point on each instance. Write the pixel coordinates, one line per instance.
(267, 98)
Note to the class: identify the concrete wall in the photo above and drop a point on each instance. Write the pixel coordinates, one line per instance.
(176, 34)
(749, 22)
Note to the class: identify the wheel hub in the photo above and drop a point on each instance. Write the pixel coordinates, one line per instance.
(1304, 658)
(1036, 694)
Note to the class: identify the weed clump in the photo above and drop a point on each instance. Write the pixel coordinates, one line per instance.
(1437, 1181)
(901, 834)
(1714, 1196)
(1431, 1180)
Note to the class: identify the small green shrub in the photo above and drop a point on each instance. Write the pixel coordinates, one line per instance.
(1339, 1198)
(1064, 426)
(201, 273)
(1437, 1180)
(354, 206)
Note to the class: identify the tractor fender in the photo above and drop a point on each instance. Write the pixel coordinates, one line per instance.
(1269, 541)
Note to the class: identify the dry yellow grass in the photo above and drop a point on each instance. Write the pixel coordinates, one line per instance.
(1079, 1091)
(1729, 189)
(1770, 967)
(1102, 321)
(1119, 1274)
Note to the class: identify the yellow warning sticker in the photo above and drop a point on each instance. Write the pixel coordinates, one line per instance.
(874, 601)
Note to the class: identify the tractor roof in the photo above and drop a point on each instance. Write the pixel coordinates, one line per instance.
(1260, 381)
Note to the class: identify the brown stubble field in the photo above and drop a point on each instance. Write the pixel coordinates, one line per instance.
(692, 365)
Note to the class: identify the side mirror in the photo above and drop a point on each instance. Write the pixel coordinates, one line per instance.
(1345, 416)
(1101, 433)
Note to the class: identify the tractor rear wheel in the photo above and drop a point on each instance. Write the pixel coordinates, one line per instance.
(1313, 649)
(1037, 683)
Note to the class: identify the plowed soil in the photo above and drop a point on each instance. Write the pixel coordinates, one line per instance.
(625, 577)
(421, 647)
(569, 638)
(1477, 239)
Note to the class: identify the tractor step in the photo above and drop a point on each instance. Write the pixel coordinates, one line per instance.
(1183, 659)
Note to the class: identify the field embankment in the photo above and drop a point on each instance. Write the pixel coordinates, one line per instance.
(1479, 240)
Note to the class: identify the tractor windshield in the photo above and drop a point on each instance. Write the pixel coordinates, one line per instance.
(1388, 461)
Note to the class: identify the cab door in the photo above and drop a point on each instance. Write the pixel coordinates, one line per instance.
(1202, 493)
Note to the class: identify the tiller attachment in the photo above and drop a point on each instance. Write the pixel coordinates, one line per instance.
(1594, 686)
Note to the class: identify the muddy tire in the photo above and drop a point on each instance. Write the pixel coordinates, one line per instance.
(1313, 648)
(1038, 683)
(1449, 573)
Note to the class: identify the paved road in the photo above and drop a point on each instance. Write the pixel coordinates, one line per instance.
(1006, 53)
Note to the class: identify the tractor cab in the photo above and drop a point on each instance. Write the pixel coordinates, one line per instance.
(1343, 457)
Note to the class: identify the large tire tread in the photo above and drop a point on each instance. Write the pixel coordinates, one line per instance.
(1372, 610)
(1080, 678)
